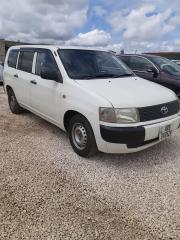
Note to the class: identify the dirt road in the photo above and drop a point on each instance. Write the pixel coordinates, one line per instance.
(48, 192)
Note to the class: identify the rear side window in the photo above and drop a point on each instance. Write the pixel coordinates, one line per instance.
(26, 61)
(12, 58)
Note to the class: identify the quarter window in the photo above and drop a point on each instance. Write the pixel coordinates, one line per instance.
(12, 59)
(26, 61)
(139, 64)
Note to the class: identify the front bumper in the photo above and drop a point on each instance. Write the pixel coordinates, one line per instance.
(133, 139)
(123, 135)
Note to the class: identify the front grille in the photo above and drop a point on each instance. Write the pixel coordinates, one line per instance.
(159, 111)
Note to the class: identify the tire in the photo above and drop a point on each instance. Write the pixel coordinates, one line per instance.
(81, 136)
(13, 103)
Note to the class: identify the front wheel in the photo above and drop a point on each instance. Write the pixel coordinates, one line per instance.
(81, 136)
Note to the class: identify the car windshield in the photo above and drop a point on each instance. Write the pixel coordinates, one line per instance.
(166, 65)
(91, 64)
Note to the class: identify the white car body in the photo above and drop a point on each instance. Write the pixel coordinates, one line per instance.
(52, 100)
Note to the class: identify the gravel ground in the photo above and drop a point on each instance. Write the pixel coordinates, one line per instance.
(48, 192)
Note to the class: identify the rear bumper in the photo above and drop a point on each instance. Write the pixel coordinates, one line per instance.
(133, 139)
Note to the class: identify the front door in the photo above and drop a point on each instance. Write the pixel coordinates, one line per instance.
(45, 93)
(141, 67)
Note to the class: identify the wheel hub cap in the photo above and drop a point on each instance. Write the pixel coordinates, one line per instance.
(79, 136)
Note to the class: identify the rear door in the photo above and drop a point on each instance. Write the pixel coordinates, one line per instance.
(45, 93)
(23, 75)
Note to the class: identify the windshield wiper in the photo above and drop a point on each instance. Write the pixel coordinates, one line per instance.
(106, 75)
(126, 75)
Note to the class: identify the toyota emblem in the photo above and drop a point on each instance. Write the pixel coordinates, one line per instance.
(164, 110)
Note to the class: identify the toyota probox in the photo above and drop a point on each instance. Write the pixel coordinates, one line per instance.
(92, 95)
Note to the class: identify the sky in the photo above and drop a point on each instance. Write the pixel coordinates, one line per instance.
(130, 25)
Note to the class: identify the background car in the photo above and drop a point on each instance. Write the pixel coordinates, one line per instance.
(177, 62)
(154, 68)
(1, 72)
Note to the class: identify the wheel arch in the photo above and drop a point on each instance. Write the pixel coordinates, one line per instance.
(8, 88)
(69, 115)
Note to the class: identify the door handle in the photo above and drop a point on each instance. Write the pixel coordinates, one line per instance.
(33, 82)
(16, 76)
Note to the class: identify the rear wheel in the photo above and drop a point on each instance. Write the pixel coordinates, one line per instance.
(13, 103)
(81, 136)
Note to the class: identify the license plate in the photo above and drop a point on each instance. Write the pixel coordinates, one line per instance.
(165, 132)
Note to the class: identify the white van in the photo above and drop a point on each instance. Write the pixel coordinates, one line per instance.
(92, 95)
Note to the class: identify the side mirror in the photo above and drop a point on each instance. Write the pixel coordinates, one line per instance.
(50, 74)
(152, 70)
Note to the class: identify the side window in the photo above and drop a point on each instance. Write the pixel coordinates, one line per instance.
(45, 59)
(139, 64)
(12, 58)
(26, 61)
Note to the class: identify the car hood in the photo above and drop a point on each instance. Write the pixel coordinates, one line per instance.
(129, 91)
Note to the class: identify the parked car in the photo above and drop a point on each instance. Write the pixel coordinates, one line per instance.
(1, 73)
(176, 61)
(92, 95)
(154, 68)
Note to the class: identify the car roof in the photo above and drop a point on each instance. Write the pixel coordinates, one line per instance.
(139, 55)
(55, 47)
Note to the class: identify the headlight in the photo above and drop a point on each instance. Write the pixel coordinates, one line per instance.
(119, 115)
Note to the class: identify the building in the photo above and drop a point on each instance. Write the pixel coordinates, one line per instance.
(169, 55)
(4, 46)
